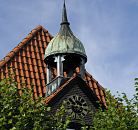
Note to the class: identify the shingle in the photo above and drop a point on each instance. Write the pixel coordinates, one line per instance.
(33, 82)
(36, 49)
(23, 53)
(28, 54)
(25, 67)
(33, 55)
(45, 45)
(24, 59)
(32, 48)
(27, 74)
(42, 51)
(28, 80)
(37, 56)
(15, 65)
(37, 77)
(21, 73)
(48, 39)
(38, 82)
(28, 48)
(40, 69)
(29, 61)
(6, 69)
(43, 82)
(34, 62)
(35, 69)
(94, 85)
(20, 66)
(16, 72)
(42, 76)
(35, 91)
(19, 58)
(32, 75)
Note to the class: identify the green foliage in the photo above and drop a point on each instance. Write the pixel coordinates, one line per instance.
(21, 112)
(61, 121)
(122, 113)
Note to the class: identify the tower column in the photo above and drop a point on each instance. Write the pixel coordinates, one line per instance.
(48, 69)
(82, 68)
(59, 59)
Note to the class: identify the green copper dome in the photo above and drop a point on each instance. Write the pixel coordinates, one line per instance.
(65, 42)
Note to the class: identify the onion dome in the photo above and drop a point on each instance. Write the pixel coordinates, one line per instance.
(65, 42)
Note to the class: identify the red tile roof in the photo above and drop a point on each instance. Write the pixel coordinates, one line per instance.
(25, 64)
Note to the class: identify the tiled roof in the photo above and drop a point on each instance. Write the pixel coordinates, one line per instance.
(96, 88)
(25, 64)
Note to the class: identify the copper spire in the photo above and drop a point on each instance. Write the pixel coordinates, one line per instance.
(65, 42)
(64, 15)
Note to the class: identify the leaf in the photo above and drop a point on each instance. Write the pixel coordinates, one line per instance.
(48, 108)
(14, 128)
(9, 114)
(136, 79)
(10, 121)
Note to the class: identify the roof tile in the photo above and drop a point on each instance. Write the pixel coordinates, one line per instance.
(26, 67)
(34, 62)
(32, 75)
(33, 82)
(36, 49)
(94, 85)
(26, 74)
(16, 72)
(28, 80)
(48, 39)
(33, 55)
(29, 61)
(24, 59)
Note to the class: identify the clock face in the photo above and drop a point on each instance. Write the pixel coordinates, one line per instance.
(77, 106)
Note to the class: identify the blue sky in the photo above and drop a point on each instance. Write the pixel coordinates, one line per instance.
(107, 28)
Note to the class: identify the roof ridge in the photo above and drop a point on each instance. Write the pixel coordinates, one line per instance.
(21, 44)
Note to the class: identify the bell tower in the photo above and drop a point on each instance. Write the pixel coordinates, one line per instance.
(64, 55)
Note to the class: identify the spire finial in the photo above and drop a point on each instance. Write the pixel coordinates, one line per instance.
(64, 15)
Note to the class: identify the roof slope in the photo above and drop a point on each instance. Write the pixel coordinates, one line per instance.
(25, 64)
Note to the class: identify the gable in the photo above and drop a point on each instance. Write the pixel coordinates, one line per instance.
(78, 88)
(93, 86)
(75, 86)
